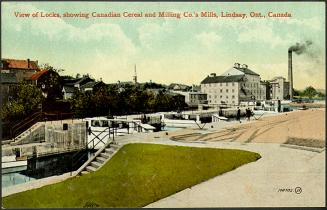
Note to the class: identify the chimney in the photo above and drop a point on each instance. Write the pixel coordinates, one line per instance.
(290, 74)
(213, 74)
(28, 63)
(237, 65)
(244, 66)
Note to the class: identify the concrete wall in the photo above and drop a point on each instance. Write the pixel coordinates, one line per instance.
(51, 138)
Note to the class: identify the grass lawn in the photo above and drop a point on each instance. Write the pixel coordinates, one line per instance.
(137, 175)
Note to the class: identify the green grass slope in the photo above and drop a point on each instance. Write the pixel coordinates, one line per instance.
(137, 175)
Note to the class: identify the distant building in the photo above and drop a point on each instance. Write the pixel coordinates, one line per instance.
(193, 99)
(68, 92)
(82, 81)
(92, 86)
(179, 87)
(279, 88)
(238, 84)
(72, 85)
(49, 82)
(23, 69)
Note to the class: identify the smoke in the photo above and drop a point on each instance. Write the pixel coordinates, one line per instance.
(300, 48)
(312, 58)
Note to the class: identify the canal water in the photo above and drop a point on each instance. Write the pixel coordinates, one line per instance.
(38, 168)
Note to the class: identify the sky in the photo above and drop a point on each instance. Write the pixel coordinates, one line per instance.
(168, 50)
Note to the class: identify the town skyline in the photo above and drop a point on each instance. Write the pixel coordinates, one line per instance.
(169, 50)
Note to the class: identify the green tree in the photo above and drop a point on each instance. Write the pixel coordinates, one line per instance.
(310, 92)
(25, 101)
(321, 95)
(81, 104)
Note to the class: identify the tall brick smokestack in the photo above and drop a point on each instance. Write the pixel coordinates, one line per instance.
(290, 74)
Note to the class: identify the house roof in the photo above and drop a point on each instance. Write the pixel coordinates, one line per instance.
(69, 81)
(181, 86)
(20, 64)
(83, 79)
(219, 79)
(91, 84)
(69, 89)
(37, 75)
(8, 78)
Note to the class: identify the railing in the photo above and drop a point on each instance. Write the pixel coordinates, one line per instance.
(113, 129)
(25, 124)
(79, 155)
(22, 126)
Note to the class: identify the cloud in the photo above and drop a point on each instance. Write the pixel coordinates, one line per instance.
(56, 29)
(262, 33)
(208, 39)
(313, 23)
(150, 34)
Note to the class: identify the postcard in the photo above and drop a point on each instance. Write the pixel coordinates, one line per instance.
(162, 104)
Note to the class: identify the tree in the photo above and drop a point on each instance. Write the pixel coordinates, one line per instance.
(297, 92)
(310, 92)
(321, 95)
(25, 101)
(47, 66)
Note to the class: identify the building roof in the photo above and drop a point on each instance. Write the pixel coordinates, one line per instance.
(246, 71)
(37, 75)
(278, 77)
(92, 84)
(69, 89)
(219, 79)
(20, 64)
(8, 78)
(180, 86)
(89, 85)
(68, 81)
(85, 79)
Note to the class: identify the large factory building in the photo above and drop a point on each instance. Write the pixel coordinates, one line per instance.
(238, 84)
(279, 88)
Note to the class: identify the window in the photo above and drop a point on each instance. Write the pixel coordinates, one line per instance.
(233, 102)
(215, 96)
(226, 90)
(221, 96)
(233, 83)
(226, 83)
(232, 90)
(95, 123)
(226, 96)
(221, 84)
(209, 96)
(233, 96)
(221, 90)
